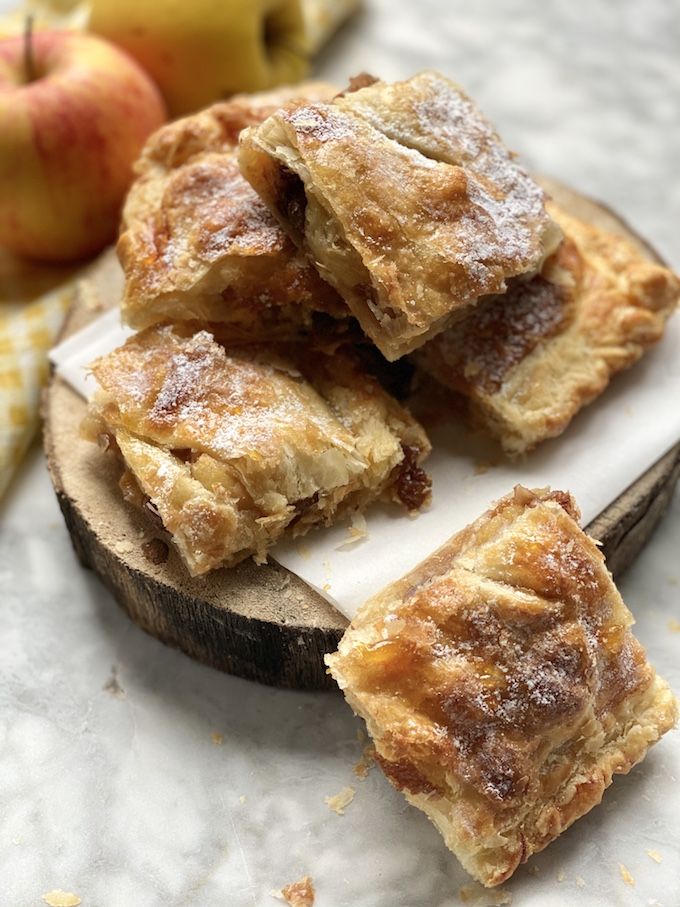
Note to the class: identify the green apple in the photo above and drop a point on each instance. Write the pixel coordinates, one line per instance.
(73, 119)
(198, 51)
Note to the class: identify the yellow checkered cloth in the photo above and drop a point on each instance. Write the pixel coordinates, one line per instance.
(33, 302)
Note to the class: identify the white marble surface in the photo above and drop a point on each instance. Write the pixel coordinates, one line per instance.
(116, 791)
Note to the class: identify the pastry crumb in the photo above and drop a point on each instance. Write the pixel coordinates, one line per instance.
(298, 894)
(674, 625)
(124, 547)
(533, 870)
(364, 765)
(340, 801)
(59, 898)
(654, 855)
(580, 882)
(483, 466)
(112, 686)
(626, 876)
(356, 532)
(242, 798)
(561, 875)
(217, 738)
(478, 896)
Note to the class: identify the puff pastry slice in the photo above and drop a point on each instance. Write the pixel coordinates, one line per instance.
(529, 360)
(230, 446)
(501, 682)
(197, 242)
(406, 200)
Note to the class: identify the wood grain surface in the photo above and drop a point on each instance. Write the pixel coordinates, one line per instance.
(263, 623)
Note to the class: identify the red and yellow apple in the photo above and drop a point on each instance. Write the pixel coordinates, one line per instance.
(198, 51)
(70, 129)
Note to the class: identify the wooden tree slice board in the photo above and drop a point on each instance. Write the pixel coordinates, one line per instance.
(263, 623)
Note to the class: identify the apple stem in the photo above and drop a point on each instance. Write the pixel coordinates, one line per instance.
(29, 60)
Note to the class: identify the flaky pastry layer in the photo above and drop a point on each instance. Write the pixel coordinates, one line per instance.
(501, 683)
(232, 446)
(197, 242)
(404, 198)
(529, 360)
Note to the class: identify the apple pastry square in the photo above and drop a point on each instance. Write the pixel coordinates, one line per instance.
(198, 243)
(232, 446)
(501, 682)
(405, 199)
(529, 360)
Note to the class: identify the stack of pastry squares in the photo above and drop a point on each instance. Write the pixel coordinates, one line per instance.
(280, 252)
(275, 238)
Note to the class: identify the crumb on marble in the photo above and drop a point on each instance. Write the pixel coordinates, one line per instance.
(299, 894)
(561, 875)
(626, 876)
(364, 765)
(112, 685)
(674, 625)
(217, 738)
(340, 801)
(533, 870)
(475, 894)
(654, 855)
(580, 882)
(59, 898)
(304, 551)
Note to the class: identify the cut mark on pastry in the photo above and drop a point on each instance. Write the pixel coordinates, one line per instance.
(59, 898)
(340, 801)
(654, 855)
(626, 876)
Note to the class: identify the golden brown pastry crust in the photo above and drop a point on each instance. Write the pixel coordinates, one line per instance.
(405, 199)
(232, 446)
(530, 359)
(197, 242)
(501, 683)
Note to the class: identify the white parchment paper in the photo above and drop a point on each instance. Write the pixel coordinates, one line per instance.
(604, 450)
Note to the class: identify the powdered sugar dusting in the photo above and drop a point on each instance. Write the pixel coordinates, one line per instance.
(521, 639)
